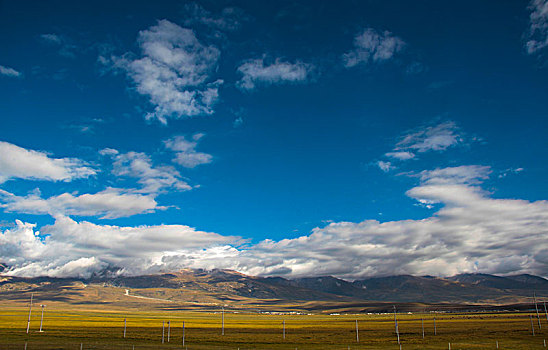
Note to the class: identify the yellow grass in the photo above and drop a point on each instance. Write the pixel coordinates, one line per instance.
(67, 329)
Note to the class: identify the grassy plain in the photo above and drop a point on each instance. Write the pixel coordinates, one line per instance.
(94, 329)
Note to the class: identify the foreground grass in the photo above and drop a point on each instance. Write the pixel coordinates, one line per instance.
(64, 329)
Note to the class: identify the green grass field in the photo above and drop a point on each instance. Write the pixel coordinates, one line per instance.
(64, 329)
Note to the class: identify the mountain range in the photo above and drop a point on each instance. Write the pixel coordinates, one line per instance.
(199, 289)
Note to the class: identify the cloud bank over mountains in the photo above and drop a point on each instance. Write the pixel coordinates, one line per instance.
(470, 232)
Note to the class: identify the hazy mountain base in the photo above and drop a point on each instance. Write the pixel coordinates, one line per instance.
(209, 290)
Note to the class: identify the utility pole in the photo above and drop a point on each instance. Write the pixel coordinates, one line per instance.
(536, 308)
(42, 317)
(357, 333)
(396, 324)
(284, 329)
(125, 324)
(183, 333)
(422, 324)
(168, 330)
(163, 330)
(223, 321)
(30, 310)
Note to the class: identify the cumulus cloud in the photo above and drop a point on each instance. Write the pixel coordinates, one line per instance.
(109, 204)
(88, 248)
(385, 166)
(185, 151)
(174, 72)
(538, 26)
(257, 72)
(448, 183)
(372, 46)
(154, 179)
(10, 72)
(18, 162)
(471, 232)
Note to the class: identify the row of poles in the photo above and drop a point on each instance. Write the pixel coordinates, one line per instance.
(538, 315)
(397, 332)
(396, 325)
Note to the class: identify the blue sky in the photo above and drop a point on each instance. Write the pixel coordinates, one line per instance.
(239, 134)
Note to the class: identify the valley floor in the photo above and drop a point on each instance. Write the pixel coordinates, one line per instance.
(104, 329)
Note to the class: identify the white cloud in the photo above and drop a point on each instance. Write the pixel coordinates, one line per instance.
(510, 171)
(438, 137)
(139, 165)
(89, 248)
(174, 71)
(109, 204)
(185, 151)
(372, 46)
(385, 166)
(18, 162)
(464, 174)
(256, 72)
(10, 72)
(472, 232)
(402, 155)
(538, 26)
(431, 138)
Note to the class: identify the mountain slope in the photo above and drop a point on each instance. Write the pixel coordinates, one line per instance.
(203, 289)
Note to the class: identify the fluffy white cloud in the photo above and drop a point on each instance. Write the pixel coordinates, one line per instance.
(385, 166)
(18, 162)
(472, 232)
(372, 46)
(185, 151)
(10, 72)
(139, 165)
(89, 248)
(109, 204)
(256, 72)
(173, 71)
(538, 26)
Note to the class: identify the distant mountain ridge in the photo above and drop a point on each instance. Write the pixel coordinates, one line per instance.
(226, 286)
